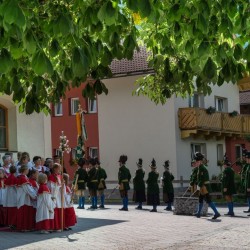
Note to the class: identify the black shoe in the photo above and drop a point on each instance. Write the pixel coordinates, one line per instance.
(101, 206)
(247, 211)
(197, 215)
(139, 207)
(79, 207)
(153, 210)
(216, 216)
(168, 209)
(121, 209)
(248, 215)
(229, 214)
(92, 207)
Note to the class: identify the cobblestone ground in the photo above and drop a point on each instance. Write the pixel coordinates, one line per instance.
(113, 229)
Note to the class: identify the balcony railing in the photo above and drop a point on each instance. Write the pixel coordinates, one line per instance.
(196, 121)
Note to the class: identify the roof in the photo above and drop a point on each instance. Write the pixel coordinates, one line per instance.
(138, 65)
(245, 97)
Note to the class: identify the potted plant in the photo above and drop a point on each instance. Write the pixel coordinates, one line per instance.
(210, 110)
(234, 113)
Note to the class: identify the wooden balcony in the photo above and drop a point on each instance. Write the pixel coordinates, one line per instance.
(195, 122)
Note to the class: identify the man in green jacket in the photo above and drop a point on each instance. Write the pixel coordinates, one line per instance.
(79, 183)
(203, 186)
(102, 176)
(139, 185)
(228, 186)
(93, 182)
(247, 180)
(168, 189)
(193, 177)
(153, 191)
(124, 177)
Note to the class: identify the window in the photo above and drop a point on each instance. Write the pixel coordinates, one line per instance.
(93, 152)
(58, 152)
(196, 101)
(74, 105)
(220, 154)
(221, 104)
(238, 151)
(198, 147)
(3, 128)
(92, 106)
(58, 109)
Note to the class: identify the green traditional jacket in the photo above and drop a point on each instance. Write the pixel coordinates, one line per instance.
(124, 177)
(102, 176)
(139, 183)
(152, 181)
(228, 181)
(82, 178)
(167, 182)
(193, 177)
(93, 178)
(247, 181)
(243, 174)
(203, 177)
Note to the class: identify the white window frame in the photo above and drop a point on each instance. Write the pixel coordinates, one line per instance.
(91, 149)
(73, 106)
(198, 147)
(200, 100)
(58, 152)
(90, 101)
(4, 128)
(56, 109)
(220, 152)
(224, 103)
(238, 146)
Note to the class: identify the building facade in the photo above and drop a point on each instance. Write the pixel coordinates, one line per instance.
(63, 118)
(21, 132)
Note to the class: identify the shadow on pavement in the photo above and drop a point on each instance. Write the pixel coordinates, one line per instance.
(20, 239)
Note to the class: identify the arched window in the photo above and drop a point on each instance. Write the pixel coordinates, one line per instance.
(3, 128)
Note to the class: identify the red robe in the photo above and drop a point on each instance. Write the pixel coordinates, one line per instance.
(2, 209)
(11, 209)
(55, 184)
(69, 211)
(45, 207)
(25, 211)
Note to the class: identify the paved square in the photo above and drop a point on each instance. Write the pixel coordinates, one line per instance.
(113, 229)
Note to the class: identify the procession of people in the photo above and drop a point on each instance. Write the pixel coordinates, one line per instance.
(37, 195)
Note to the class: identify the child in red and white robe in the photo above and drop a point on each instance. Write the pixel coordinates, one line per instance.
(2, 197)
(55, 186)
(45, 206)
(69, 211)
(25, 195)
(10, 199)
(33, 175)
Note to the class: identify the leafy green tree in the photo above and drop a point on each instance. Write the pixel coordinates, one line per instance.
(47, 47)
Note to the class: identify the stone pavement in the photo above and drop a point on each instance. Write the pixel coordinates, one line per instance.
(113, 229)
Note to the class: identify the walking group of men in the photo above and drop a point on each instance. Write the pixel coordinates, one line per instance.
(199, 182)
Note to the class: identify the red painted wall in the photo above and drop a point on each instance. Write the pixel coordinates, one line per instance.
(67, 123)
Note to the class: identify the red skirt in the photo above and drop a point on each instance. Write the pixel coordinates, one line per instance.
(3, 216)
(45, 225)
(26, 218)
(11, 216)
(58, 219)
(70, 217)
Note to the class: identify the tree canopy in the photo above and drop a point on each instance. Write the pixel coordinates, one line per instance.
(50, 46)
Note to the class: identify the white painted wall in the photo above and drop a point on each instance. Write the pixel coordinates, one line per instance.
(30, 133)
(134, 126)
(137, 127)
